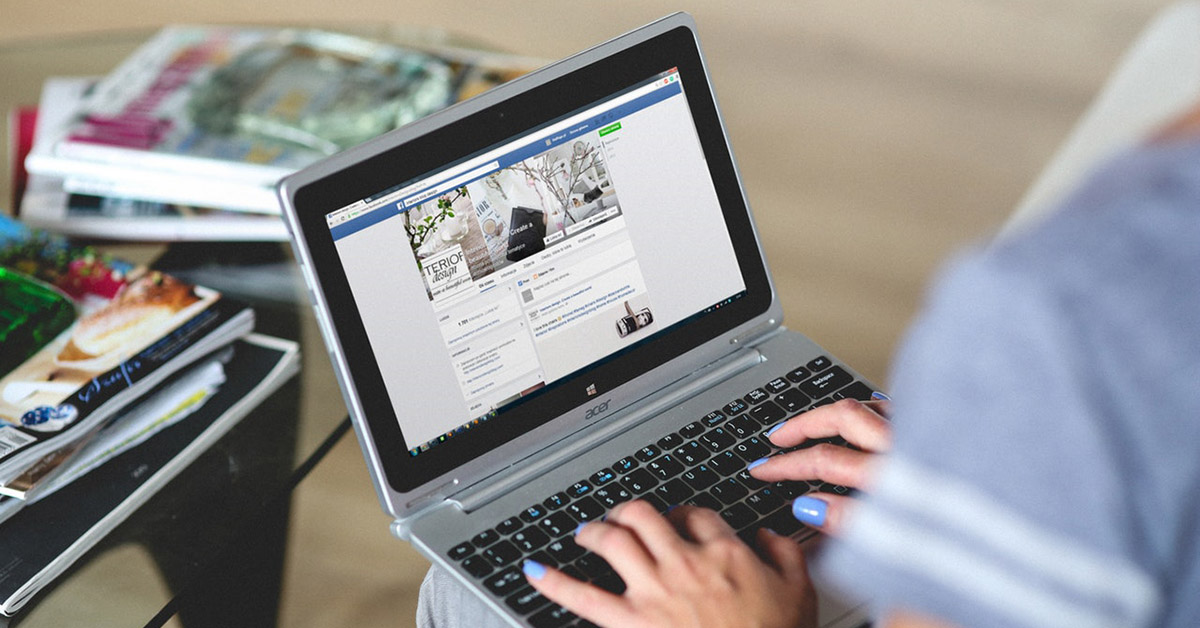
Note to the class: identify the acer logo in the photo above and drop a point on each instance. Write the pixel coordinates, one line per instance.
(596, 411)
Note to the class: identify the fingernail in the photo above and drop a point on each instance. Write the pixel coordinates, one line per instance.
(670, 508)
(774, 429)
(810, 510)
(534, 569)
(880, 396)
(579, 527)
(755, 463)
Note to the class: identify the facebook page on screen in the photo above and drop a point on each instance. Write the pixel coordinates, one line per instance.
(536, 259)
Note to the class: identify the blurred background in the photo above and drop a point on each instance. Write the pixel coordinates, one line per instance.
(875, 138)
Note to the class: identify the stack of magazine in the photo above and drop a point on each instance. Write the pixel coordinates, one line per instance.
(185, 139)
(113, 377)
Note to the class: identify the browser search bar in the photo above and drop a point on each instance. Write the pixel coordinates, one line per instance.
(442, 188)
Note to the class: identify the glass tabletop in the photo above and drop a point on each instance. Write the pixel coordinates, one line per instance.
(211, 543)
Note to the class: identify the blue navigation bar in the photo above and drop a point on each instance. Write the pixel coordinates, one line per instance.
(532, 149)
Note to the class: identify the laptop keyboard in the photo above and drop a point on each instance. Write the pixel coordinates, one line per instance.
(703, 464)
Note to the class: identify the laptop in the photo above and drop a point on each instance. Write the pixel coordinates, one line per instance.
(550, 299)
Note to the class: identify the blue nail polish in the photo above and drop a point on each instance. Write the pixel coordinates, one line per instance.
(775, 429)
(810, 510)
(534, 569)
(878, 396)
(755, 463)
(670, 508)
(579, 527)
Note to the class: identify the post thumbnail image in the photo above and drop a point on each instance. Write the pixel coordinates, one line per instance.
(472, 231)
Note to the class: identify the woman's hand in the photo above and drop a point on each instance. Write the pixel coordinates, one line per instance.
(689, 569)
(862, 424)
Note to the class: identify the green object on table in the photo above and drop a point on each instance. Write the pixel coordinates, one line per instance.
(31, 315)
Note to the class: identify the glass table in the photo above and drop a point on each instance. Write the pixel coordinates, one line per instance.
(217, 533)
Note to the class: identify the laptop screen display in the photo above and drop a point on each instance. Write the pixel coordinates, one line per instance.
(537, 259)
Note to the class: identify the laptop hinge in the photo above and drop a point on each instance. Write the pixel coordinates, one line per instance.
(572, 445)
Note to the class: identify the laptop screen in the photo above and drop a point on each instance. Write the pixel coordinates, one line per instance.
(511, 262)
(538, 258)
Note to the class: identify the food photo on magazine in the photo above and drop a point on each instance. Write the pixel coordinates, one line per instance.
(83, 336)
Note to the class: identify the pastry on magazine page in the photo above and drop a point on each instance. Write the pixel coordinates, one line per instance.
(84, 335)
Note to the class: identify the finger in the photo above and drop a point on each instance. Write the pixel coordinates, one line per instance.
(855, 421)
(825, 462)
(700, 524)
(592, 603)
(825, 511)
(620, 547)
(784, 554)
(656, 534)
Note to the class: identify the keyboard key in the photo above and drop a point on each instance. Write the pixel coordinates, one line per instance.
(478, 566)
(510, 525)
(669, 442)
(647, 453)
(737, 406)
(765, 501)
(776, 385)
(768, 413)
(857, 390)
(819, 364)
(823, 402)
(756, 396)
(592, 565)
(505, 582)
(564, 550)
(542, 557)
(700, 477)
(461, 551)
(502, 554)
(625, 465)
(751, 449)
(612, 495)
(726, 463)
(557, 524)
(789, 489)
(798, 374)
(639, 481)
(658, 504)
(692, 430)
(728, 491)
(742, 427)
(533, 513)
(485, 538)
(578, 489)
(665, 468)
(586, 509)
(611, 582)
(674, 492)
(713, 419)
(529, 539)
(717, 439)
(738, 516)
(691, 453)
(782, 522)
(556, 501)
(704, 500)
(749, 481)
(553, 616)
(792, 401)
(602, 477)
(526, 601)
(827, 382)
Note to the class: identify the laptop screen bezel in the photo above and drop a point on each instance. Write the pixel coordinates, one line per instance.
(451, 137)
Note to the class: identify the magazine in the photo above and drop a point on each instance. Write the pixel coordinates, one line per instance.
(84, 335)
(214, 116)
(76, 516)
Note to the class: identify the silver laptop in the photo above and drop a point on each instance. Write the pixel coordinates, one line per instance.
(550, 299)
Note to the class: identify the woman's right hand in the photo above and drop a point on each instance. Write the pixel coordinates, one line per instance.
(862, 424)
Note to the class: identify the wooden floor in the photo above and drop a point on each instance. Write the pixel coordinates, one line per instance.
(875, 139)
